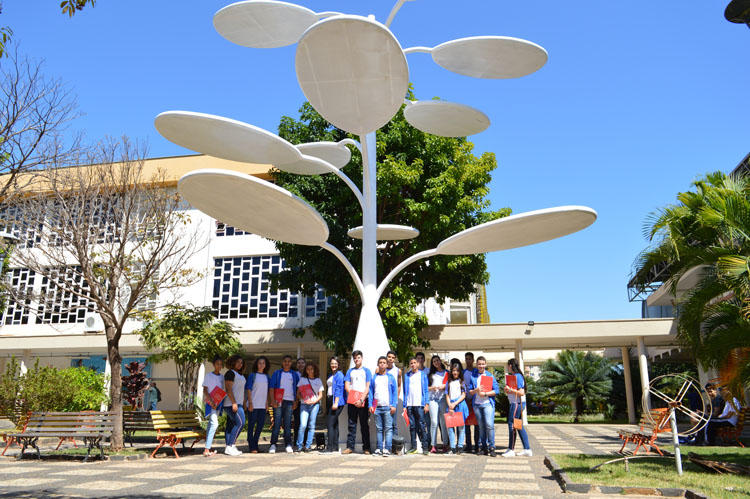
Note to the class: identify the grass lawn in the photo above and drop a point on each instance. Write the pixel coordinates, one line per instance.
(662, 472)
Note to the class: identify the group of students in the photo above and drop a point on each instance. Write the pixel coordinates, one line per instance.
(429, 393)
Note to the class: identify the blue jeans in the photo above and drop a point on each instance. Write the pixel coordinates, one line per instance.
(461, 436)
(417, 427)
(284, 412)
(486, 425)
(213, 425)
(384, 424)
(437, 409)
(235, 422)
(307, 416)
(256, 419)
(515, 411)
(153, 405)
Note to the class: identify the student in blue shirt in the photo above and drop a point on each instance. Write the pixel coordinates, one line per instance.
(484, 407)
(470, 371)
(358, 379)
(335, 402)
(287, 380)
(517, 407)
(384, 396)
(416, 398)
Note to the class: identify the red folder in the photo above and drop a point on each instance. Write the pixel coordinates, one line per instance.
(406, 416)
(454, 419)
(472, 419)
(354, 397)
(278, 395)
(485, 383)
(511, 381)
(306, 391)
(217, 395)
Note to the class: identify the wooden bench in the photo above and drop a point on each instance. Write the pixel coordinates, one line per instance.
(133, 421)
(649, 429)
(90, 426)
(732, 435)
(9, 435)
(172, 427)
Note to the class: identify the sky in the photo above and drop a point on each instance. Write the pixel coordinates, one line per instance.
(636, 101)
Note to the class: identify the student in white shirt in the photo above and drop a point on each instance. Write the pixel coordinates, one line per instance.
(358, 379)
(256, 401)
(470, 371)
(455, 394)
(234, 382)
(394, 371)
(309, 407)
(727, 419)
(285, 380)
(213, 410)
(416, 400)
(384, 394)
(436, 382)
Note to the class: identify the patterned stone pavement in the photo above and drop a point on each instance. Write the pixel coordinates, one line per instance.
(315, 475)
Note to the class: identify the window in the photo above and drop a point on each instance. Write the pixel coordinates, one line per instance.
(227, 230)
(17, 312)
(12, 222)
(242, 290)
(62, 306)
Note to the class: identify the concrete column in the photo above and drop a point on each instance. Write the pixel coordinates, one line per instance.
(519, 358)
(643, 365)
(299, 351)
(703, 375)
(199, 386)
(25, 361)
(628, 384)
(108, 375)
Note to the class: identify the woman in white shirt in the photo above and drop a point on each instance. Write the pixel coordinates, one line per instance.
(256, 401)
(213, 408)
(310, 405)
(436, 383)
(234, 381)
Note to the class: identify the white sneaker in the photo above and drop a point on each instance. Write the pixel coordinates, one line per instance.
(386, 453)
(378, 452)
(289, 449)
(272, 449)
(525, 452)
(509, 453)
(231, 450)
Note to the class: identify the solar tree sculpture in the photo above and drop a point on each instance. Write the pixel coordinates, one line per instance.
(354, 72)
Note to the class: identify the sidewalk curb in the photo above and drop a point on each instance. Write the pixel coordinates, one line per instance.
(585, 488)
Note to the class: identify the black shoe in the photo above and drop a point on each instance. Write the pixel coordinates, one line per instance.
(468, 449)
(426, 452)
(459, 451)
(484, 452)
(492, 452)
(325, 451)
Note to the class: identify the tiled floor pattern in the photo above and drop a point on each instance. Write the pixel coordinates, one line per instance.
(316, 475)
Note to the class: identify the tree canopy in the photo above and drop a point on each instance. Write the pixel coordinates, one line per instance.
(708, 231)
(188, 335)
(434, 184)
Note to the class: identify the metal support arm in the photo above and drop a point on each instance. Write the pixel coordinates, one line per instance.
(401, 266)
(347, 265)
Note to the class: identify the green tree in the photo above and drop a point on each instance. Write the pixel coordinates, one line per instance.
(708, 230)
(188, 336)
(69, 7)
(583, 377)
(434, 184)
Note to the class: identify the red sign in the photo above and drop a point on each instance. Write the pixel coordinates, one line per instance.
(217, 395)
(354, 397)
(278, 395)
(306, 391)
(454, 419)
(511, 381)
(485, 383)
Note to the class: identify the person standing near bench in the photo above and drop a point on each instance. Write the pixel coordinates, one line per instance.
(256, 401)
(285, 380)
(358, 379)
(335, 403)
(213, 409)
(517, 405)
(234, 403)
(416, 398)
(309, 405)
(484, 406)
(384, 394)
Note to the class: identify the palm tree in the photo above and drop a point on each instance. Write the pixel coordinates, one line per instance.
(708, 229)
(578, 376)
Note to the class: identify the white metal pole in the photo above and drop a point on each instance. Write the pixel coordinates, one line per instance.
(676, 442)
(643, 366)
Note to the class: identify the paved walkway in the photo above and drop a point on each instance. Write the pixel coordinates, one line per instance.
(314, 475)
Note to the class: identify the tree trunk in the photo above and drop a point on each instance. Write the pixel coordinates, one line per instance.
(579, 409)
(187, 378)
(115, 387)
